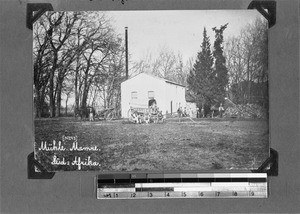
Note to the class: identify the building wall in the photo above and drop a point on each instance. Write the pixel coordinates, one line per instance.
(164, 94)
(142, 84)
(176, 95)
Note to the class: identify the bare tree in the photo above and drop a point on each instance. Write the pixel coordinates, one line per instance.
(70, 50)
(247, 58)
(141, 66)
(41, 66)
(166, 65)
(60, 29)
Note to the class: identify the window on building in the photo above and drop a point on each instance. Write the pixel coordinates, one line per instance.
(151, 94)
(134, 95)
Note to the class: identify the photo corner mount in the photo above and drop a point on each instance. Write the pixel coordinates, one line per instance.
(270, 165)
(267, 9)
(32, 164)
(34, 11)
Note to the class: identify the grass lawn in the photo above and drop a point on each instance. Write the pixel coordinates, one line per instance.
(206, 144)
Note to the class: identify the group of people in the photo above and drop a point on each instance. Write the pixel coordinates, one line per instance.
(152, 115)
(182, 113)
(201, 113)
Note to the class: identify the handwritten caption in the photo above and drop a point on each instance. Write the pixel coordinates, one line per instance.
(69, 144)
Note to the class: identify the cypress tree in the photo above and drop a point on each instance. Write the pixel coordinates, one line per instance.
(201, 75)
(220, 70)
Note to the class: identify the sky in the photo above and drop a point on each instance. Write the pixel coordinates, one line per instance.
(178, 30)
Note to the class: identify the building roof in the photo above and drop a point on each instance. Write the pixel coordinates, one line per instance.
(167, 81)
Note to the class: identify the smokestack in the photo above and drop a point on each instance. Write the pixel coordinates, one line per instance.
(126, 51)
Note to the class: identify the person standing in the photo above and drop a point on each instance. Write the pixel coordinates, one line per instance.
(91, 114)
(179, 112)
(221, 109)
(202, 112)
(184, 112)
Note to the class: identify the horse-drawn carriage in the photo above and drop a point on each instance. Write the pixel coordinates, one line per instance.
(106, 114)
(91, 114)
(146, 114)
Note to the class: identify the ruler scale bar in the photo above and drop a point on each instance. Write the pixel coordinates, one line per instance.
(185, 185)
(190, 188)
(194, 194)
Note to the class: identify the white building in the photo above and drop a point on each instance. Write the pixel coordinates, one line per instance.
(138, 90)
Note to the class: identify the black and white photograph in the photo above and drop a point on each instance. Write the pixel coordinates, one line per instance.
(161, 90)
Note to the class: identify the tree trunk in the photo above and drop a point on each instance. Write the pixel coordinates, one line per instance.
(66, 109)
(83, 101)
(51, 86)
(76, 94)
(85, 95)
(42, 100)
(38, 107)
(94, 97)
(104, 98)
(51, 91)
(86, 84)
(248, 79)
(58, 98)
